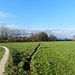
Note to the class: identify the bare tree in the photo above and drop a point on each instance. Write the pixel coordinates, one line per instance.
(3, 31)
(14, 33)
(73, 38)
(42, 36)
(52, 38)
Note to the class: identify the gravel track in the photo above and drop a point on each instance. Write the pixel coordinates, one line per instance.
(4, 60)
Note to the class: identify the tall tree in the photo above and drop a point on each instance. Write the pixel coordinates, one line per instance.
(73, 38)
(42, 36)
(3, 32)
(52, 38)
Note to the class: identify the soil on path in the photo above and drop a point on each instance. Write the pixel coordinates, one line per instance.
(4, 60)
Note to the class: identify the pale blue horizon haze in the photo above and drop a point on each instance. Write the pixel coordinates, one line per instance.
(39, 14)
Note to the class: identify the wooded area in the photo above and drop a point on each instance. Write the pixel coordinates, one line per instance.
(8, 34)
(13, 34)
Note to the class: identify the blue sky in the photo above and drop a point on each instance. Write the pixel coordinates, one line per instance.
(38, 14)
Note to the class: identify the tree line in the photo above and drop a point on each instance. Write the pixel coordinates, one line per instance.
(15, 35)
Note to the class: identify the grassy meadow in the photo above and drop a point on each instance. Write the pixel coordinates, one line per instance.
(54, 58)
(51, 58)
(1, 52)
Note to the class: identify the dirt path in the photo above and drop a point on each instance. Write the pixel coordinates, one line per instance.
(4, 60)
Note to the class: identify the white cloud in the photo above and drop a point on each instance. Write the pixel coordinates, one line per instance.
(5, 15)
(12, 25)
(60, 33)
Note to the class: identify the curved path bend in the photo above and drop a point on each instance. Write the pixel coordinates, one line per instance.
(4, 60)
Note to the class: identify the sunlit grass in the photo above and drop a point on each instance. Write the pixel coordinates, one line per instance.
(1, 52)
(54, 58)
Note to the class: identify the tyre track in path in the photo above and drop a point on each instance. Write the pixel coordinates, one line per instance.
(4, 60)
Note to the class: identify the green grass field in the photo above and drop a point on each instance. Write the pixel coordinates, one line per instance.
(1, 52)
(54, 58)
(19, 52)
(51, 58)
